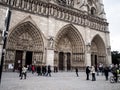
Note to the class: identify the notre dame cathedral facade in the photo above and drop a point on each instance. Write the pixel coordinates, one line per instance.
(61, 33)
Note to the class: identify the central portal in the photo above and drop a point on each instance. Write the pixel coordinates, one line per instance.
(28, 60)
(64, 61)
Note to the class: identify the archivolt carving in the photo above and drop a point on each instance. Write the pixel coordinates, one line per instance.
(65, 45)
(38, 57)
(70, 40)
(25, 37)
(93, 47)
(98, 48)
(10, 55)
(25, 41)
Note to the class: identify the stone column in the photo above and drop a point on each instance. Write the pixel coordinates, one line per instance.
(87, 46)
(50, 58)
(88, 56)
(108, 56)
(23, 58)
(65, 61)
(108, 49)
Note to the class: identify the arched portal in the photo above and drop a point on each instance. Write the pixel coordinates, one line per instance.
(24, 46)
(97, 51)
(69, 48)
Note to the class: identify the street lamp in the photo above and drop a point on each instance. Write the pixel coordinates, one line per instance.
(5, 34)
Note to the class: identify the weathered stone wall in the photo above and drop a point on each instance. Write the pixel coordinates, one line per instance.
(50, 19)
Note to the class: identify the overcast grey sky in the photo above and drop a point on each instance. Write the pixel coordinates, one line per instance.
(112, 9)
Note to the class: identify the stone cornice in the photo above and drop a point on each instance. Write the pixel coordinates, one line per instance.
(47, 9)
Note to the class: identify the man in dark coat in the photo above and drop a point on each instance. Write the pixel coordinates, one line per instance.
(76, 70)
(87, 72)
(49, 71)
(106, 71)
(39, 70)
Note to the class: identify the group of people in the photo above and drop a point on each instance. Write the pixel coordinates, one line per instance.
(23, 71)
(115, 70)
(92, 70)
(88, 70)
(40, 70)
(46, 71)
(104, 70)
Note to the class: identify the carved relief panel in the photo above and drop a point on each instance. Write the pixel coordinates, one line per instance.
(65, 45)
(25, 42)
(9, 57)
(38, 58)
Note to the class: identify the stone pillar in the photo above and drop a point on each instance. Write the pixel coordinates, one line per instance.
(108, 56)
(23, 58)
(65, 61)
(87, 46)
(88, 56)
(50, 43)
(108, 49)
(50, 58)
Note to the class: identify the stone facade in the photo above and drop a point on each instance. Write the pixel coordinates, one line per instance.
(61, 33)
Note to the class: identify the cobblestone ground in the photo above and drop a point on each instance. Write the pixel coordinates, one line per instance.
(58, 81)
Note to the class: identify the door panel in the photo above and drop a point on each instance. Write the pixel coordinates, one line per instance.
(28, 60)
(61, 61)
(68, 61)
(18, 59)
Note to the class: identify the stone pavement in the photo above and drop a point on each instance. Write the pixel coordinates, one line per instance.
(58, 81)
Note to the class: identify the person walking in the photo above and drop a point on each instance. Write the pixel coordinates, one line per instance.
(38, 70)
(44, 70)
(114, 72)
(87, 72)
(33, 69)
(76, 70)
(106, 72)
(49, 71)
(24, 72)
(93, 73)
(20, 70)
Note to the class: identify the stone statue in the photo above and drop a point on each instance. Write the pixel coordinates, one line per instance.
(51, 41)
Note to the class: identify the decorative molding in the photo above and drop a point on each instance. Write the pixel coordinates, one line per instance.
(66, 14)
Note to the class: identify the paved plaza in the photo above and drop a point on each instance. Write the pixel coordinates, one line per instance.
(58, 81)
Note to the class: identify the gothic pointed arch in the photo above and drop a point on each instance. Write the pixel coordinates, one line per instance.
(98, 51)
(69, 41)
(25, 40)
